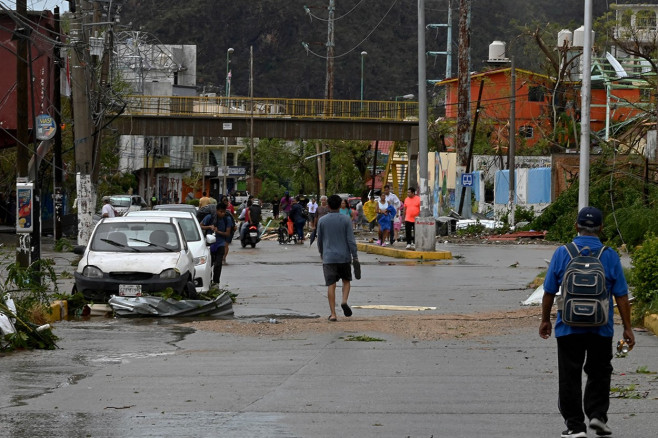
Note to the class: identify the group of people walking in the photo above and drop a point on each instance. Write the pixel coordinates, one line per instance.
(389, 212)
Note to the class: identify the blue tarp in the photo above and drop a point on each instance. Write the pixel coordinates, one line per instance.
(477, 177)
(501, 195)
(539, 185)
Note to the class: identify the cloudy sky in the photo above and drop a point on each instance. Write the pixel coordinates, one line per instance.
(39, 5)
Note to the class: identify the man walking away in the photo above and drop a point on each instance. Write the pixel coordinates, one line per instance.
(411, 211)
(337, 248)
(586, 347)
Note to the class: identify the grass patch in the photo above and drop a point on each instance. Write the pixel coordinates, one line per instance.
(363, 338)
(629, 392)
(644, 370)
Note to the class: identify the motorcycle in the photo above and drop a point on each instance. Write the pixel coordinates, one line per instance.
(250, 236)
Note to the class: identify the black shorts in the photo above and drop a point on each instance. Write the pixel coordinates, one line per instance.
(336, 271)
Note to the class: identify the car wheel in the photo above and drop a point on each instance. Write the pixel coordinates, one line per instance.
(190, 290)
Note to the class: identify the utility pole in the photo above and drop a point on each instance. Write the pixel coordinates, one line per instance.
(512, 143)
(463, 82)
(82, 125)
(329, 83)
(448, 51)
(22, 124)
(57, 154)
(422, 114)
(251, 118)
(585, 101)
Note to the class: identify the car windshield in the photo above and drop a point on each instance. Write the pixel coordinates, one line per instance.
(135, 237)
(175, 207)
(120, 201)
(190, 229)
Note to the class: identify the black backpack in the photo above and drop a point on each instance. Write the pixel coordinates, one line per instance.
(585, 298)
(255, 214)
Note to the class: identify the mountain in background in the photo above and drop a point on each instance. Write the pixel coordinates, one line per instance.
(385, 29)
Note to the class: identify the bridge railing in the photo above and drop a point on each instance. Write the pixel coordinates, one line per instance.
(203, 106)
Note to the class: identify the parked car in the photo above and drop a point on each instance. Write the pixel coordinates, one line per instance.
(196, 240)
(125, 203)
(176, 207)
(353, 201)
(239, 196)
(131, 256)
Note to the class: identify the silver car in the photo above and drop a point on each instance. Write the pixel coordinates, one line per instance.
(195, 239)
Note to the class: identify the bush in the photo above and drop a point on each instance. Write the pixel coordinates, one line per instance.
(644, 277)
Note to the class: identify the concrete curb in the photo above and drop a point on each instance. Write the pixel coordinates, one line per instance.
(59, 310)
(403, 253)
(651, 323)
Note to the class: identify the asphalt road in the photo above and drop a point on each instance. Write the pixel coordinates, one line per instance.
(153, 378)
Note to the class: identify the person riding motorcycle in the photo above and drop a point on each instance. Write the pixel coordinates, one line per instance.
(251, 214)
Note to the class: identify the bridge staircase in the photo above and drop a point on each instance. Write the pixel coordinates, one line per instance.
(396, 174)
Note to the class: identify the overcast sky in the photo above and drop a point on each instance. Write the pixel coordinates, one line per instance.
(39, 5)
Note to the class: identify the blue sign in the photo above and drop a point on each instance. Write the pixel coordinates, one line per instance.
(467, 179)
(46, 127)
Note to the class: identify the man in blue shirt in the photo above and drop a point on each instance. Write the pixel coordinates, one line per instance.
(221, 226)
(337, 248)
(586, 347)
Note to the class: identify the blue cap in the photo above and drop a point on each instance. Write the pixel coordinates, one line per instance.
(590, 217)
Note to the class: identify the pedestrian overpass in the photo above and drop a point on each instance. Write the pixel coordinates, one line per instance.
(209, 116)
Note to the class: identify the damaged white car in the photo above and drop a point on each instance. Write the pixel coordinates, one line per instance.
(131, 256)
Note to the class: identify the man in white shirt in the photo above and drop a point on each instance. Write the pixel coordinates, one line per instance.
(393, 200)
(108, 210)
(312, 209)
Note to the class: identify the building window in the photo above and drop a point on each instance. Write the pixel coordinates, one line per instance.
(526, 131)
(162, 147)
(536, 94)
(645, 19)
(230, 158)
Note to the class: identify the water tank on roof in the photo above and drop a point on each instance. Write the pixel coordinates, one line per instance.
(579, 37)
(564, 35)
(497, 52)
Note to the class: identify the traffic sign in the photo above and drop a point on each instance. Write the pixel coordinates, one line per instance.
(467, 179)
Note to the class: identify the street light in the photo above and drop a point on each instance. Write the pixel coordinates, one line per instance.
(405, 97)
(363, 56)
(228, 107)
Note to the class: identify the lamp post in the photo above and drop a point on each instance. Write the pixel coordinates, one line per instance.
(228, 107)
(363, 56)
(405, 97)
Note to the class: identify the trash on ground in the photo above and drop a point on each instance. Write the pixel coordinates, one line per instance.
(167, 307)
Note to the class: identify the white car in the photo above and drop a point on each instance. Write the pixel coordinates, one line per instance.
(131, 256)
(195, 239)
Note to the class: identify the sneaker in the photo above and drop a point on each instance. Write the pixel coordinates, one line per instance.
(385, 244)
(379, 242)
(573, 434)
(413, 246)
(599, 427)
(408, 245)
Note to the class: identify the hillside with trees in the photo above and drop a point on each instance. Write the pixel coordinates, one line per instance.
(385, 29)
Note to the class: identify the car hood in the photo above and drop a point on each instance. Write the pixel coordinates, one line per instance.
(153, 263)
